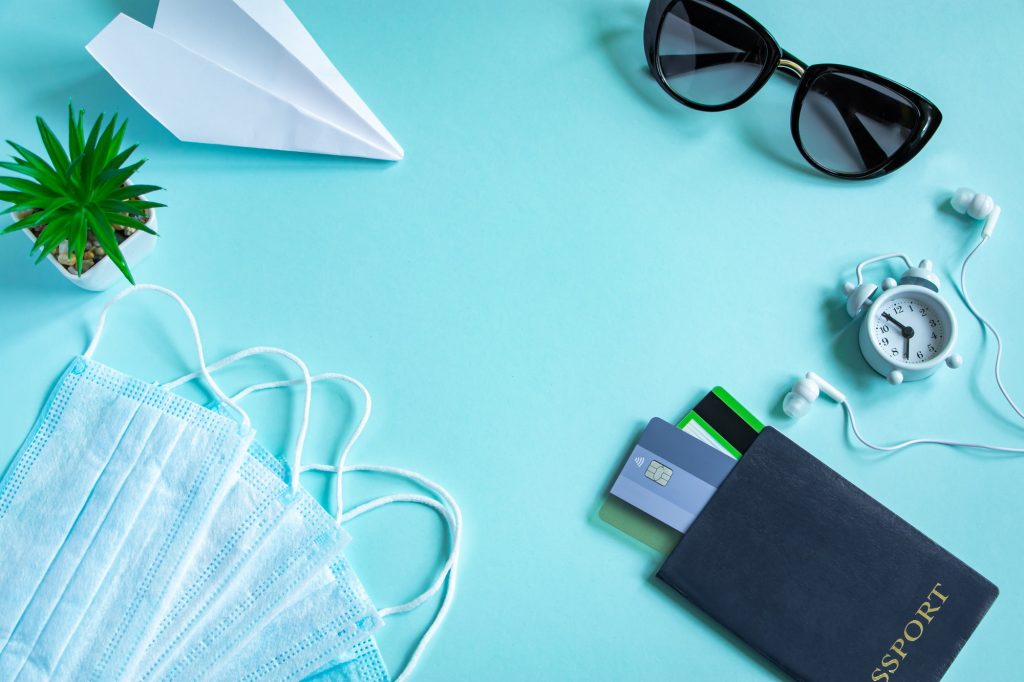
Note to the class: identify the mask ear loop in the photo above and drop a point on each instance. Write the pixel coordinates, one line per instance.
(349, 443)
(300, 441)
(203, 369)
(451, 513)
(449, 571)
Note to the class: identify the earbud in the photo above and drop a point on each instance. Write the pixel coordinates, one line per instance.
(798, 401)
(977, 206)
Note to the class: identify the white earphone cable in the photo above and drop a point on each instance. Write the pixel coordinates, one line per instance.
(919, 441)
(987, 324)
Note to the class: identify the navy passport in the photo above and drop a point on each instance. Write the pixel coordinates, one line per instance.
(822, 579)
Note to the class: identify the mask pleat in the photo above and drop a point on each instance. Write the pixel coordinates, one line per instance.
(79, 540)
(155, 545)
(57, 476)
(91, 573)
(251, 508)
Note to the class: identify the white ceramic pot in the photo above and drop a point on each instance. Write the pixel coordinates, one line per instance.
(104, 274)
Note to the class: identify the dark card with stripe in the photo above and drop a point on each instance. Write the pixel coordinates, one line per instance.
(723, 422)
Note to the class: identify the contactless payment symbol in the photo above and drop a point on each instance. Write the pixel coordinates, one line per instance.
(639, 461)
(658, 472)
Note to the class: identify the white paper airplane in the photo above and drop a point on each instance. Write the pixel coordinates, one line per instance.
(240, 72)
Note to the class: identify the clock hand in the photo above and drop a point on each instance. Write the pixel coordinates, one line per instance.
(905, 331)
(893, 320)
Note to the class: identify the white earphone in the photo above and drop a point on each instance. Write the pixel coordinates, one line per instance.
(977, 206)
(807, 390)
(798, 402)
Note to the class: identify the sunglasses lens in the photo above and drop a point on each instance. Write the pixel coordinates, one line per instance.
(707, 55)
(851, 125)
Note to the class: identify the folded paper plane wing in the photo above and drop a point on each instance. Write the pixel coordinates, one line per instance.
(280, 23)
(240, 72)
(265, 43)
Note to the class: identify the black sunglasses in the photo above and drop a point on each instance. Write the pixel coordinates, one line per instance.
(849, 123)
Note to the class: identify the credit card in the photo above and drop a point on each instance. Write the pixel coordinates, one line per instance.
(719, 420)
(671, 475)
(722, 422)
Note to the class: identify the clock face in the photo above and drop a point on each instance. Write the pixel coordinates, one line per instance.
(911, 329)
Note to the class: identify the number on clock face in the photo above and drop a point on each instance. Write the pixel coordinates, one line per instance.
(909, 331)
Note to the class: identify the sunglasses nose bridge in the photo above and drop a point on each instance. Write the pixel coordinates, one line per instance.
(791, 66)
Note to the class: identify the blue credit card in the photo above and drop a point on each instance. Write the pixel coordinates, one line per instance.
(671, 474)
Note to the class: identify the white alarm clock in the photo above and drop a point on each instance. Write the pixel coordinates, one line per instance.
(909, 330)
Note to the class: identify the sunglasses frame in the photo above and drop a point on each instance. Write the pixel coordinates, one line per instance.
(928, 115)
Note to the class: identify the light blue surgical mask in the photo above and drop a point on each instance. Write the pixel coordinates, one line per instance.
(80, 488)
(162, 482)
(258, 508)
(164, 532)
(130, 556)
(91, 542)
(282, 650)
(365, 664)
(363, 661)
(213, 609)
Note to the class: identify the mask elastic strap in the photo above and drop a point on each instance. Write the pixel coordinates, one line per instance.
(306, 379)
(203, 369)
(349, 443)
(452, 515)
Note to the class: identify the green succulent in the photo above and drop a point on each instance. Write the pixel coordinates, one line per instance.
(80, 191)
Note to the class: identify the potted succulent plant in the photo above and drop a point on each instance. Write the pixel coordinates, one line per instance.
(79, 208)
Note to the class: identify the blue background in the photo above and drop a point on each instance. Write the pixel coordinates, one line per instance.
(563, 254)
